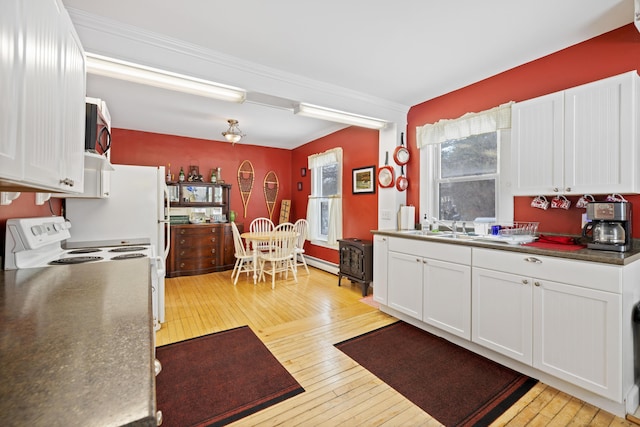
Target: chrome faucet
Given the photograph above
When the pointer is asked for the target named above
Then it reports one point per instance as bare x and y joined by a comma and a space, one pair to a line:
451, 227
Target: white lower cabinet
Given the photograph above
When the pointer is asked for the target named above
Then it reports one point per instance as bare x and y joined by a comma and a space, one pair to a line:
502, 313
405, 275
577, 336
569, 327
432, 283
380, 268
447, 297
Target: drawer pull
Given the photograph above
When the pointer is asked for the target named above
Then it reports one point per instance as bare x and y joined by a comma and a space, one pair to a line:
525, 282
536, 283
182, 231
213, 240
213, 251
182, 242
533, 259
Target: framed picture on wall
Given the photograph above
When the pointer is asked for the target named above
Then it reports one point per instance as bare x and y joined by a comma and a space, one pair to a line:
364, 180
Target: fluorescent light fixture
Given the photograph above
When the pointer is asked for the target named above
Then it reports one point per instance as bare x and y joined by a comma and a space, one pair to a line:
331, 115
123, 70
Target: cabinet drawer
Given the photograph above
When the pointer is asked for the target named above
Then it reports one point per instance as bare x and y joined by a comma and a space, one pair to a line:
200, 230
196, 264
188, 241
587, 274
441, 251
196, 252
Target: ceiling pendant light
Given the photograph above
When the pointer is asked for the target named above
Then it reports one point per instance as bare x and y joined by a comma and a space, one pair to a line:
233, 134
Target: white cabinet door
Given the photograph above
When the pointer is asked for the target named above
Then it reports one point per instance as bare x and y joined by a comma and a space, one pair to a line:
43, 94
380, 268
447, 297
11, 83
502, 313
577, 336
600, 151
537, 145
42, 143
74, 112
405, 284
581, 140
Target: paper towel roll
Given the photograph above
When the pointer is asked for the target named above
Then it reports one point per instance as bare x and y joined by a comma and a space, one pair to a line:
406, 220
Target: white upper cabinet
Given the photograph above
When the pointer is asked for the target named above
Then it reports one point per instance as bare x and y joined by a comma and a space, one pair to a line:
42, 146
581, 140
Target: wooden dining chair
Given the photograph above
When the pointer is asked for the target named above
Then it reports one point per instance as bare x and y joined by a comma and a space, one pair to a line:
280, 254
244, 260
301, 227
261, 225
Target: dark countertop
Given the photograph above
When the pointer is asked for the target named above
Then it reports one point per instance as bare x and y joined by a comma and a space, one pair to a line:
592, 255
77, 345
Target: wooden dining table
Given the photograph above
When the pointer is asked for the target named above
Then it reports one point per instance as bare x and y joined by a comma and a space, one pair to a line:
253, 238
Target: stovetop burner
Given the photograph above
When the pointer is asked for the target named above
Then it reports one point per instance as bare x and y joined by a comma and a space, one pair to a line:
84, 251
128, 249
128, 256
75, 260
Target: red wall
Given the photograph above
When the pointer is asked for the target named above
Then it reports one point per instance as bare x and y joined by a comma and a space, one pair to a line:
152, 149
360, 211
612, 53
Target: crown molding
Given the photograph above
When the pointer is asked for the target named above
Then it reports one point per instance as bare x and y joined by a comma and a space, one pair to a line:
86, 22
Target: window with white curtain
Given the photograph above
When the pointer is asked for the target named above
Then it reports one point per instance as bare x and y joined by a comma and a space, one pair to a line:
465, 167
324, 211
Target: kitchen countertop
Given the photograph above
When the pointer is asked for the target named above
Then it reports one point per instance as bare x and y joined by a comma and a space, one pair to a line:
77, 345
592, 255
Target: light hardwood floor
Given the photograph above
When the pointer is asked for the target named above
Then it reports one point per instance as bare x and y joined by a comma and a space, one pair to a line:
300, 323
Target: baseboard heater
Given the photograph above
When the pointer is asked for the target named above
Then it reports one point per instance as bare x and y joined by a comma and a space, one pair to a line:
327, 266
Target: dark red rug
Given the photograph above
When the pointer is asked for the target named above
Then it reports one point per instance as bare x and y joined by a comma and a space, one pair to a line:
453, 385
219, 378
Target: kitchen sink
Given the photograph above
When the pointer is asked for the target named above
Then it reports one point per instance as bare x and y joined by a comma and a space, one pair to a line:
458, 236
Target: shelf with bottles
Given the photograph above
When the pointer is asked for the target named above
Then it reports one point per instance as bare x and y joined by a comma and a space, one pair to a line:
193, 194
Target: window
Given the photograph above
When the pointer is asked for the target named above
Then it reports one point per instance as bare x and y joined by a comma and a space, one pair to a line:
324, 211
466, 177
464, 167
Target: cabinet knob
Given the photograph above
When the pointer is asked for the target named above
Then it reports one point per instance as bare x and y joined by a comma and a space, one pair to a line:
213, 262
536, 283
182, 265
525, 282
182, 231
213, 251
67, 181
567, 190
533, 259
182, 241
182, 253
555, 189
213, 230
213, 240
418, 260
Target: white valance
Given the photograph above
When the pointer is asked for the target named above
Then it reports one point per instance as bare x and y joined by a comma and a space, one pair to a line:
328, 157
467, 125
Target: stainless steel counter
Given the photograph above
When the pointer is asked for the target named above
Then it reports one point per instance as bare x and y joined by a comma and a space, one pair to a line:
77, 345
606, 257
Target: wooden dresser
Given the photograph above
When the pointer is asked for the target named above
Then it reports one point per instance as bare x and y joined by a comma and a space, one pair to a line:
200, 249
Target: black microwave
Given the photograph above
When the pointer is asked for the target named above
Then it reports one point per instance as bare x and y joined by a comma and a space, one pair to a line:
97, 137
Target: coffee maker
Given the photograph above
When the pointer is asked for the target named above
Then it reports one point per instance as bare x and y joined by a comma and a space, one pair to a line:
610, 226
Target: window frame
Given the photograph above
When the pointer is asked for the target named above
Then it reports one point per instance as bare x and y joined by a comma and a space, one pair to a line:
429, 182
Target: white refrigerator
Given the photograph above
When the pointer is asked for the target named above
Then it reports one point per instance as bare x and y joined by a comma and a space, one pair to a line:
137, 208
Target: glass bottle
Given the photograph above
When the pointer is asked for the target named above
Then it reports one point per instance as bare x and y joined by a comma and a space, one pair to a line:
181, 175
168, 173
214, 177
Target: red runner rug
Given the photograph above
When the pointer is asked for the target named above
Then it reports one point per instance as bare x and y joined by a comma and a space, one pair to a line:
453, 385
219, 378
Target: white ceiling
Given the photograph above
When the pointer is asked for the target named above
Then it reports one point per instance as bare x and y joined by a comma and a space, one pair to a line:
371, 57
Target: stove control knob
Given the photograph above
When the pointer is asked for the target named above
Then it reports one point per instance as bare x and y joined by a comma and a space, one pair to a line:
57, 226
37, 230
66, 225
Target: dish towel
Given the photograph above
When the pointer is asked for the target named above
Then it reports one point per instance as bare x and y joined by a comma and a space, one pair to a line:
556, 243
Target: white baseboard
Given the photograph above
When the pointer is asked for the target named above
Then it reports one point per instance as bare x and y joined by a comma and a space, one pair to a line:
327, 266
